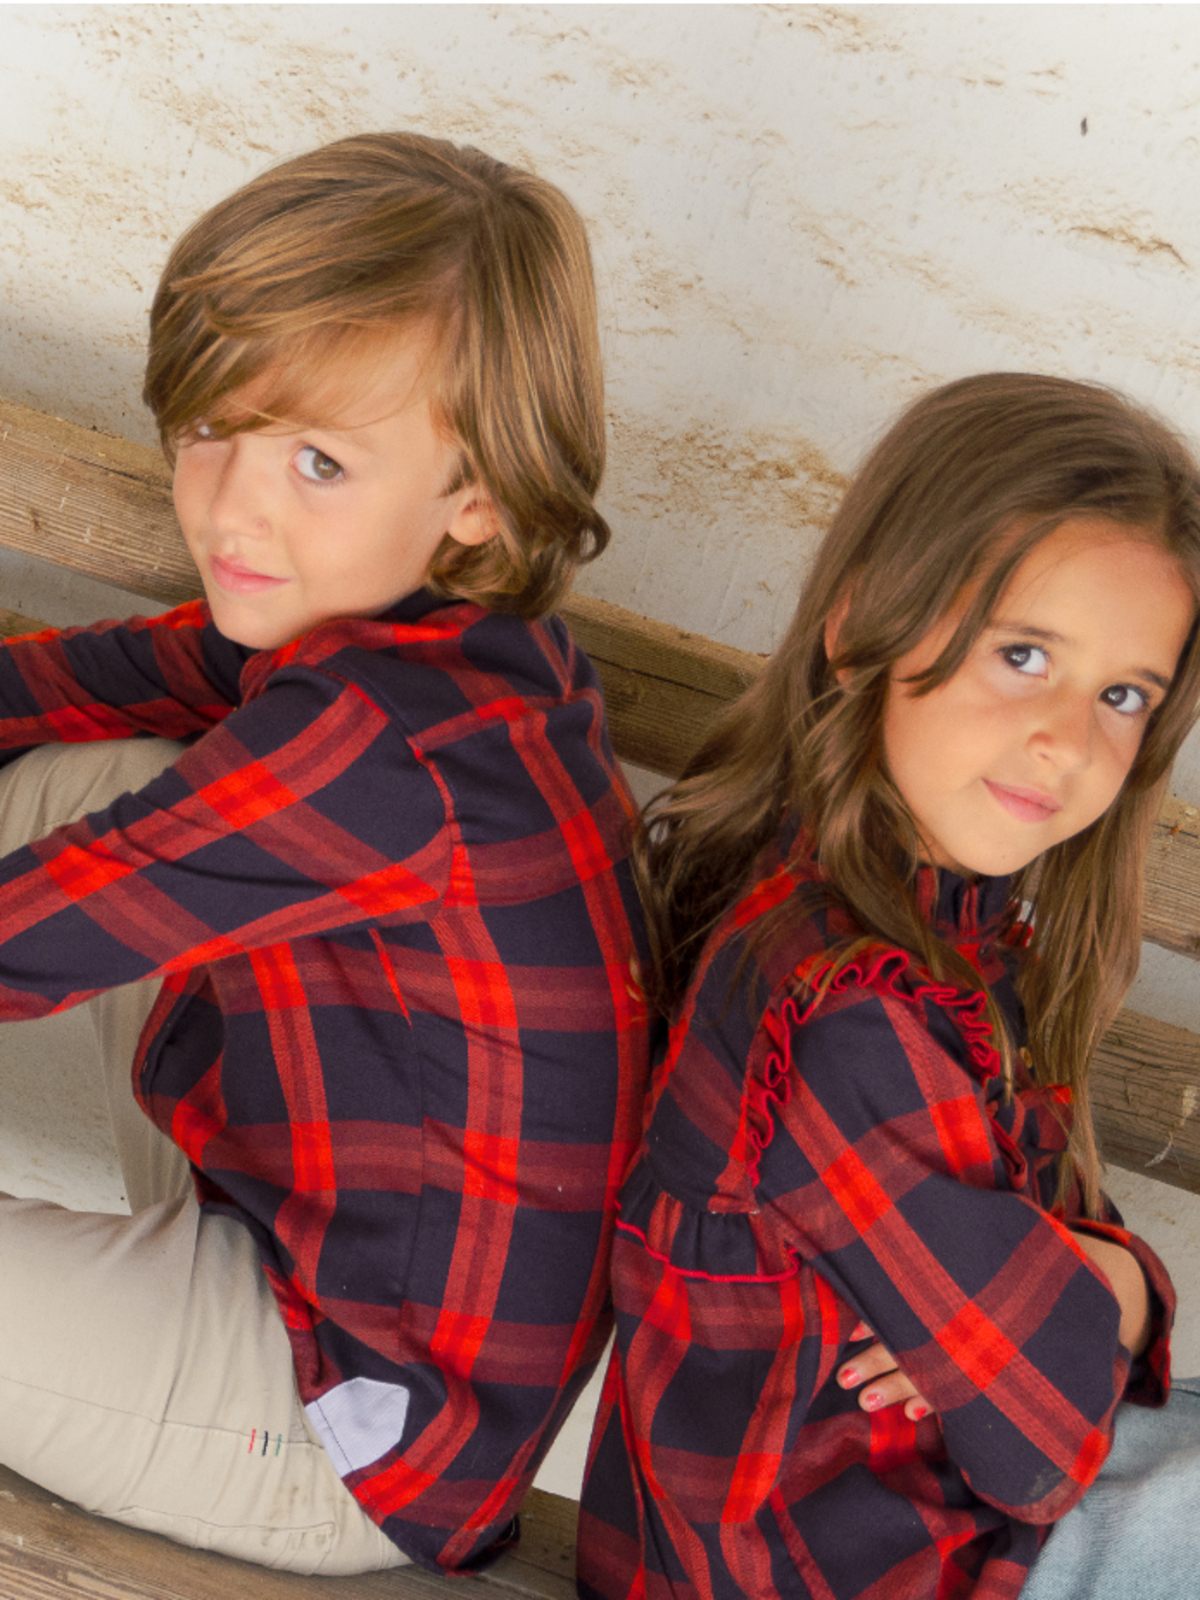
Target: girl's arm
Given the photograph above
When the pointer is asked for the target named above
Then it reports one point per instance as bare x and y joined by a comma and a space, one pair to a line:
886, 1164
884, 1384
1127, 1282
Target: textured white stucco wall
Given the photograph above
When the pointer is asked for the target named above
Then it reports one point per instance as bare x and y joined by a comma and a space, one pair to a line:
802, 216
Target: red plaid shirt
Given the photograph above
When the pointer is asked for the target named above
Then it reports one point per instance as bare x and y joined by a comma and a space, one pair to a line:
808, 1164
400, 1035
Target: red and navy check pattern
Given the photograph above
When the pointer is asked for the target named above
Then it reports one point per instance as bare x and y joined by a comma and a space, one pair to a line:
806, 1164
401, 1036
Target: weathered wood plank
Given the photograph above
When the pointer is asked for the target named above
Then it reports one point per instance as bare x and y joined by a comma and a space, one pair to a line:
13, 623
1172, 914
1145, 1094
543, 1564
91, 501
51, 1550
102, 506
661, 685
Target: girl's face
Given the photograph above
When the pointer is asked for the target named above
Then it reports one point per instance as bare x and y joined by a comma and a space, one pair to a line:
1031, 739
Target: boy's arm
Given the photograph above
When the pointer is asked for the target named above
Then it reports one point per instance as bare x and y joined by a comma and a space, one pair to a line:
173, 676
303, 811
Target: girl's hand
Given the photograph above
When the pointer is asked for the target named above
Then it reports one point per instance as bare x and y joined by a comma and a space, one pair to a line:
886, 1384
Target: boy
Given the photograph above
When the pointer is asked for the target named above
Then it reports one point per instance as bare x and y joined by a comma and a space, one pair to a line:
400, 1040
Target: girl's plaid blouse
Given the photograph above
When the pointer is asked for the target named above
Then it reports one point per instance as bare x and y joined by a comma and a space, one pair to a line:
807, 1165
401, 1036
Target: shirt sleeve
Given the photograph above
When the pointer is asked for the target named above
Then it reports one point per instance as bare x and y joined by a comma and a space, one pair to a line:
173, 676
1149, 1381
884, 1173
301, 812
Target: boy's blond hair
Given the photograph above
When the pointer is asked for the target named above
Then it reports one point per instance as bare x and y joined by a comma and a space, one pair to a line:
300, 271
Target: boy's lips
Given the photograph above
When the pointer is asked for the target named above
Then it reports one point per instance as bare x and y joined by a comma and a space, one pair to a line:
235, 578
1027, 805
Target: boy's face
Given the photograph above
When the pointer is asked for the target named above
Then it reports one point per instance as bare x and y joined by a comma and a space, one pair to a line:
294, 526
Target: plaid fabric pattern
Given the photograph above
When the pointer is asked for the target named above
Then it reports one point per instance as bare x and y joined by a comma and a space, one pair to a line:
815, 1155
401, 1035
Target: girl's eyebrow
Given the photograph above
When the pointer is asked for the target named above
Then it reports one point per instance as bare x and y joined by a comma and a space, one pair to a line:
1048, 636
1043, 635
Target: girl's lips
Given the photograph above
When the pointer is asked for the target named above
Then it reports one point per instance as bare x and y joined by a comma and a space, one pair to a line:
1027, 805
236, 579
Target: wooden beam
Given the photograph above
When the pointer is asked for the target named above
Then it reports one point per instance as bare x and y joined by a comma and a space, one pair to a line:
102, 506
92, 502
1172, 913
662, 686
1145, 1094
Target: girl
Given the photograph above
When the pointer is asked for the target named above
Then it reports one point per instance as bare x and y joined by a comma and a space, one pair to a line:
874, 1316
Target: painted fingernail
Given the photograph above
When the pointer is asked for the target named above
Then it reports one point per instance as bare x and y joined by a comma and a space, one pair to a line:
872, 1400
848, 1377
860, 1332
918, 1412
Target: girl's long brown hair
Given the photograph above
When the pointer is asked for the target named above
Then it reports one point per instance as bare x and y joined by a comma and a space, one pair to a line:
953, 498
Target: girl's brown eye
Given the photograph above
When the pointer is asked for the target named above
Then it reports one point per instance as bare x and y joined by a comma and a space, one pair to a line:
1027, 658
1126, 698
316, 466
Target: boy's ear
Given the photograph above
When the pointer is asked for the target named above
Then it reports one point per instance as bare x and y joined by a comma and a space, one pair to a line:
833, 630
474, 518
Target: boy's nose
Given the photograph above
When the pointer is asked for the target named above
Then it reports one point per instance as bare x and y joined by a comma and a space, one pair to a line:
239, 504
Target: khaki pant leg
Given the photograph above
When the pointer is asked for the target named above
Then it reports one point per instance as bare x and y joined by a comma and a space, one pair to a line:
144, 1368
52, 785
145, 1374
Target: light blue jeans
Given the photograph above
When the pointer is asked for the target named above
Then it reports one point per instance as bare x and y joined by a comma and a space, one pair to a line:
1135, 1535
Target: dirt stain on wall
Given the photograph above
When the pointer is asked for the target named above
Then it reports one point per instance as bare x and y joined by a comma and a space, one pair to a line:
770, 480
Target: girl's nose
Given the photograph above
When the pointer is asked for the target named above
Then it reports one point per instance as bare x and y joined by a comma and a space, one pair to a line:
1065, 730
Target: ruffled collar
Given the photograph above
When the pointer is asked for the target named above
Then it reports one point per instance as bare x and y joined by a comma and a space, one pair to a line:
963, 910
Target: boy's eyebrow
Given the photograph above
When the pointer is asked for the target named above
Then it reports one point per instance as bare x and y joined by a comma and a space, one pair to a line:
1048, 636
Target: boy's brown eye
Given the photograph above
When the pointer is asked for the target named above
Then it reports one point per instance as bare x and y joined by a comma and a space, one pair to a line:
316, 466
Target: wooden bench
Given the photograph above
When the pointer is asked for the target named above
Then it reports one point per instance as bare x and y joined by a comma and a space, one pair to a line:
101, 506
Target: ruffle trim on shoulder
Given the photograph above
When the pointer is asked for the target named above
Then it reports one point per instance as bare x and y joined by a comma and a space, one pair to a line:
1038, 1135
885, 970
718, 1247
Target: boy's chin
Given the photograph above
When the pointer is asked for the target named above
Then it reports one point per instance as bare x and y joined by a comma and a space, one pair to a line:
251, 634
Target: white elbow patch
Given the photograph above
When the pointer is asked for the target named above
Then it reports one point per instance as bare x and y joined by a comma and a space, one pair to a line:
359, 1421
